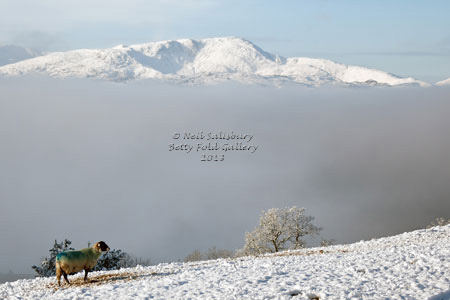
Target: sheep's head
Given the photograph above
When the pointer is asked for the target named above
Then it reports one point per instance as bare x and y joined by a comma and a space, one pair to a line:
101, 246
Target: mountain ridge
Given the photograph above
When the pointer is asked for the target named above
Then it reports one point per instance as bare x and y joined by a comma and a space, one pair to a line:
445, 82
204, 61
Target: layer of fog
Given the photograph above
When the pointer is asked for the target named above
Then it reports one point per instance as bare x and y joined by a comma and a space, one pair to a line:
89, 161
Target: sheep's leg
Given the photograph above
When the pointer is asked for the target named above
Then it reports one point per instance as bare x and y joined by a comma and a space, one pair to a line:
58, 275
86, 271
65, 277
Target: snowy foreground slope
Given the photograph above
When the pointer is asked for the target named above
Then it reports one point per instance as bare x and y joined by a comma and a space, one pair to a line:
413, 265
203, 61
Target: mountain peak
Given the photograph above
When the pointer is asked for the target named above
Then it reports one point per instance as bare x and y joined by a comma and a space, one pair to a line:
203, 61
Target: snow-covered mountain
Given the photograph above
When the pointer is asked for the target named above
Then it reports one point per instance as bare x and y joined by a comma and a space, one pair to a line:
414, 265
200, 62
10, 54
443, 82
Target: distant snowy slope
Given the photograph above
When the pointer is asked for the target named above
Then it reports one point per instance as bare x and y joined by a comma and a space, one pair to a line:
414, 265
200, 62
443, 82
10, 54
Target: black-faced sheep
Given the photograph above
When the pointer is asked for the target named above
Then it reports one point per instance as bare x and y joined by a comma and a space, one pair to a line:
74, 261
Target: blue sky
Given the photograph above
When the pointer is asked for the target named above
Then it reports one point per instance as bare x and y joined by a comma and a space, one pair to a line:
405, 37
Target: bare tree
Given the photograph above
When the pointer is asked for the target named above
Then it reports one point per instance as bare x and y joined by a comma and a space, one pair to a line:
279, 229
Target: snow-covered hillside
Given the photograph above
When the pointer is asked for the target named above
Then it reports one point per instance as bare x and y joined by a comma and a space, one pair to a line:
444, 82
203, 61
10, 54
413, 265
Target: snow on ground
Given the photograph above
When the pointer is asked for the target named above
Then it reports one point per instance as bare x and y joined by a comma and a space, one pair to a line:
205, 61
413, 265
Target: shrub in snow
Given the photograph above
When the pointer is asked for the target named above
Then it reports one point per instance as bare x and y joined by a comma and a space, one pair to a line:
47, 267
196, 255
212, 253
117, 259
439, 222
326, 243
111, 260
279, 229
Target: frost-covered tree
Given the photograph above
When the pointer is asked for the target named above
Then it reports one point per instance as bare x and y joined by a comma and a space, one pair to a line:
279, 229
300, 225
47, 267
274, 229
